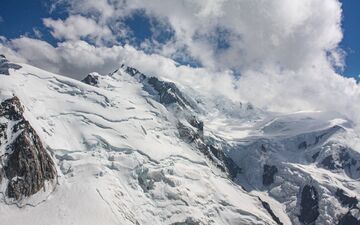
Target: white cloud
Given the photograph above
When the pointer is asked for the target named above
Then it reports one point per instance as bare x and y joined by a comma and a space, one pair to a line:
290, 33
37, 33
78, 58
284, 50
76, 27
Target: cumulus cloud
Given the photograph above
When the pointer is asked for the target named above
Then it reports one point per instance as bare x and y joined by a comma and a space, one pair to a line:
250, 33
223, 34
76, 27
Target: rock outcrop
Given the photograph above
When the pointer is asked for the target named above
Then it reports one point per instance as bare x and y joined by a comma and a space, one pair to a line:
167, 93
26, 163
268, 174
215, 154
309, 210
346, 200
270, 211
349, 219
91, 79
5, 65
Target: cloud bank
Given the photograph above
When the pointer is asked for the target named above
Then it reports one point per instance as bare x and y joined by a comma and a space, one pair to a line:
278, 54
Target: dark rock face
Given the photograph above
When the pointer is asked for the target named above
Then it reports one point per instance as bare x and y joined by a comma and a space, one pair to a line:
269, 210
216, 155
228, 165
5, 65
131, 71
268, 174
340, 160
167, 92
91, 79
3, 135
315, 156
345, 200
329, 163
188, 221
349, 219
309, 210
187, 134
198, 124
303, 145
11, 109
27, 164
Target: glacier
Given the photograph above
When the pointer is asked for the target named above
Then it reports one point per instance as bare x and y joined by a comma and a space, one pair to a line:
129, 148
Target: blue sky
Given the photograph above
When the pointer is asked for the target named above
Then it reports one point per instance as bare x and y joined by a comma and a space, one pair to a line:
19, 17
351, 41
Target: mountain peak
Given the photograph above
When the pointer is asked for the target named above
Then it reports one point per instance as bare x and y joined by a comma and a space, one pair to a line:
5, 65
143, 150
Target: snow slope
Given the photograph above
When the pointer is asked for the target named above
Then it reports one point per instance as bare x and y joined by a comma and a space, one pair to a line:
119, 158
126, 154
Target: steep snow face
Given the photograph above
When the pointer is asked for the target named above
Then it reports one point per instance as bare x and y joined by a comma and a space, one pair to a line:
119, 158
302, 160
135, 149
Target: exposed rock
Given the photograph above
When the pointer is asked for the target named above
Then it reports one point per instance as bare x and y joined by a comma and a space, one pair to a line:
268, 174
303, 145
269, 210
345, 200
349, 219
188, 221
167, 92
309, 206
329, 163
130, 70
315, 156
11, 109
91, 79
216, 155
5, 65
27, 165
340, 160
228, 164
187, 134
134, 72
198, 124
3, 135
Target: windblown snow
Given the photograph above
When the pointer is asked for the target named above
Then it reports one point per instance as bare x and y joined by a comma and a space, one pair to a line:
127, 153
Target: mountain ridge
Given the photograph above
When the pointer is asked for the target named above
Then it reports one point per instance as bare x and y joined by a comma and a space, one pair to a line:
135, 145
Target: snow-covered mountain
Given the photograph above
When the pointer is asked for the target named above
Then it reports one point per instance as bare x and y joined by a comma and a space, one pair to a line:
128, 148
